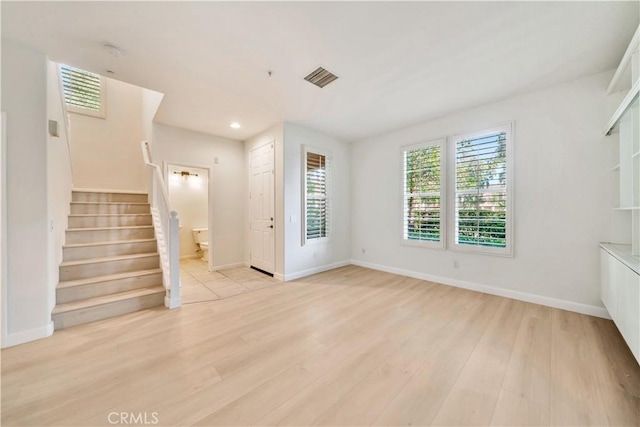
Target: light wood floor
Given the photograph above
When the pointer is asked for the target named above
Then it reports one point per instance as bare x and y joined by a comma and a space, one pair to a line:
348, 347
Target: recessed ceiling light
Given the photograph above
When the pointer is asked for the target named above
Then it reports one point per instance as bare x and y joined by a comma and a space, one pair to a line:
235, 125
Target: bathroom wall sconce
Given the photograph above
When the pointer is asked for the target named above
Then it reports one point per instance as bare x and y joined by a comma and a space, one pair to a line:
185, 174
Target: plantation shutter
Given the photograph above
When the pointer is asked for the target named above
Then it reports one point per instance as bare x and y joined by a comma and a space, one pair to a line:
423, 193
82, 89
481, 190
317, 221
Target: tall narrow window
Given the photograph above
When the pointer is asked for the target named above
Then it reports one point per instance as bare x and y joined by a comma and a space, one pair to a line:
84, 92
316, 203
482, 191
423, 193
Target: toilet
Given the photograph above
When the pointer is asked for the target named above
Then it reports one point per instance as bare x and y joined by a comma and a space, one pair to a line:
201, 238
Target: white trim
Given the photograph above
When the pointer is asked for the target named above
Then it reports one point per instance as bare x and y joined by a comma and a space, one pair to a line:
442, 142
306, 149
26, 336
575, 307
623, 107
209, 168
100, 114
626, 58
106, 190
4, 282
314, 270
278, 276
507, 251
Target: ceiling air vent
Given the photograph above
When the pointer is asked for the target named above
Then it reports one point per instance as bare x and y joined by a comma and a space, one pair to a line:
320, 77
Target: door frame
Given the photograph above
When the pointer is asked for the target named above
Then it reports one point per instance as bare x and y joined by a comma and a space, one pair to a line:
210, 203
271, 142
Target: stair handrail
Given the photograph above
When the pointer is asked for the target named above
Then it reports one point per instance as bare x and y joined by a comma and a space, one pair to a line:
165, 222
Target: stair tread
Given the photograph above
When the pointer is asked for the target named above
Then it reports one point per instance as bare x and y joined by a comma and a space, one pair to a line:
108, 203
127, 227
107, 242
137, 193
98, 279
107, 259
106, 214
106, 299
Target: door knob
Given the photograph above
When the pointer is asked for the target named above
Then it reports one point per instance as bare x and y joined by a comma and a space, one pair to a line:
271, 226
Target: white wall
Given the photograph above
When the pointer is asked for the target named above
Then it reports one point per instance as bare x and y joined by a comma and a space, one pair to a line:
106, 152
59, 177
562, 196
274, 134
303, 259
190, 198
226, 190
24, 99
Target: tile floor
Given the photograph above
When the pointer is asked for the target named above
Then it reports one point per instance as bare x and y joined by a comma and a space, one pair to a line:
200, 285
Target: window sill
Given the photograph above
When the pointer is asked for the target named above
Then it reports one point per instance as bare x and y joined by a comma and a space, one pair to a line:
97, 114
422, 244
483, 250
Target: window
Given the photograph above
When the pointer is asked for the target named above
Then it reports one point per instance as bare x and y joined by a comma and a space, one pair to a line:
316, 200
84, 92
457, 192
423, 194
482, 191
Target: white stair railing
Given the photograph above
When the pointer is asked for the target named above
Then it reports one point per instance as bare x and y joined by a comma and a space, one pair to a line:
165, 223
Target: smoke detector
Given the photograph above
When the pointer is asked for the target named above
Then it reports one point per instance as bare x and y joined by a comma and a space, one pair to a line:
113, 50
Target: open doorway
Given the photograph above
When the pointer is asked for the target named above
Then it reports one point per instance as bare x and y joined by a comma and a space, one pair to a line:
189, 196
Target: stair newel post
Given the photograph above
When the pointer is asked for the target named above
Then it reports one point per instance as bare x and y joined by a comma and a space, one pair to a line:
173, 292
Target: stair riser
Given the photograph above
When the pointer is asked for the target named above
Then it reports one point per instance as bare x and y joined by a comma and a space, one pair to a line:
88, 236
122, 208
108, 287
81, 196
85, 271
115, 249
109, 221
78, 317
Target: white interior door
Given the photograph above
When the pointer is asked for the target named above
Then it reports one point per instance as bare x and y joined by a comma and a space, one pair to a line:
262, 200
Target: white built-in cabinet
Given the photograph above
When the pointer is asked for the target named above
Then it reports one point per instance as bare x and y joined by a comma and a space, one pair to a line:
620, 259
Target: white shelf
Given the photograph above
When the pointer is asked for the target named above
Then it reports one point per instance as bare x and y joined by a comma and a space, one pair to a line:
616, 167
624, 63
632, 208
634, 156
624, 105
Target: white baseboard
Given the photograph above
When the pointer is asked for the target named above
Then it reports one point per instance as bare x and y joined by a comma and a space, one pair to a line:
106, 190
25, 336
590, 310
314, 270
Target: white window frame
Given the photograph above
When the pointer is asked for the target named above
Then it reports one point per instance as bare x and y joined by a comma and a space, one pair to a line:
327, 155
441, 244
507, 251
102, 113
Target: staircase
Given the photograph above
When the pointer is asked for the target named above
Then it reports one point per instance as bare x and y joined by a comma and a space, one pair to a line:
110, 260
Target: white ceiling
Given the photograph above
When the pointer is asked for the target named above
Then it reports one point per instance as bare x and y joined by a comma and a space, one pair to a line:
398, 62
